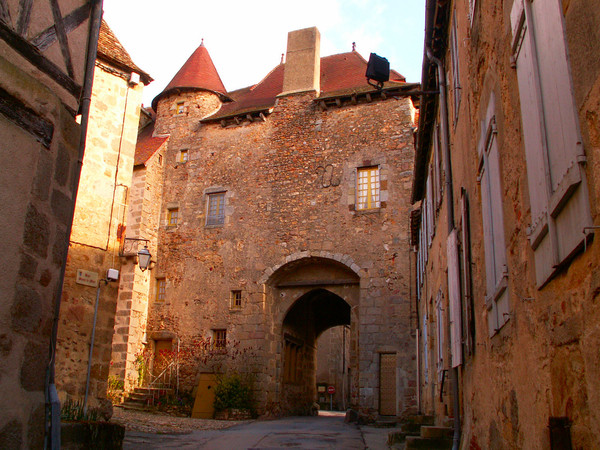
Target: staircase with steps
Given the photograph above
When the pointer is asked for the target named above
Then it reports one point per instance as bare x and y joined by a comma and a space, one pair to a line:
144, 399
419, 432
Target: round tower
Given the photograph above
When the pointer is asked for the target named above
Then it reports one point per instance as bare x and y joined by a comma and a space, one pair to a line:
195, 92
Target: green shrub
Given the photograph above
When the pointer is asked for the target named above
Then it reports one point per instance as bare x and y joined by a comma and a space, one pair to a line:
72, 411
233, 391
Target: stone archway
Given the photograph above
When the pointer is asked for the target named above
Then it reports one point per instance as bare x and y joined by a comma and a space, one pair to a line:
308, 296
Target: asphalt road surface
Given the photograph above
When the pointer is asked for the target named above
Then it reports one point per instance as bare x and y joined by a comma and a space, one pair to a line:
322, 432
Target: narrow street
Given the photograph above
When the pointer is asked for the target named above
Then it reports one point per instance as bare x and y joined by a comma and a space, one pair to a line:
325, 431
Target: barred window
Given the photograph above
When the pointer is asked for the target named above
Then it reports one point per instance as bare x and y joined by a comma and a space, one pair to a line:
220, 339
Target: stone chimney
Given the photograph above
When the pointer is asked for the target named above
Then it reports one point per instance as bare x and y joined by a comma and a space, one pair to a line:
303, 62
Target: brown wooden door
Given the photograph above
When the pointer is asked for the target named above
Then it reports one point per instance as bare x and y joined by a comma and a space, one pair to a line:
387, 384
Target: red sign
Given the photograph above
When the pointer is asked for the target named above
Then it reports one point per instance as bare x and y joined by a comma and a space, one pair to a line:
331, 389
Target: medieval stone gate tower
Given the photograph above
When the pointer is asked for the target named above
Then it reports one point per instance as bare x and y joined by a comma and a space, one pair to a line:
284, 213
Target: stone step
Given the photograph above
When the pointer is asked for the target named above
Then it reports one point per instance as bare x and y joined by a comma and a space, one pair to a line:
398, 437
134, 407
382, 422
420, 443
419, 419
434, 432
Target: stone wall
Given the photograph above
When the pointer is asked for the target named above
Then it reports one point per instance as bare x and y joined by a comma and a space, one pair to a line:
97, 237
543, 362
290, 190
36, 199
137, 288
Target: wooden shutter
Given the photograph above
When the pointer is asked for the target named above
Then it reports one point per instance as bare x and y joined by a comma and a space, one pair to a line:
454, 299
455, 67
467, 297
440, 333
553, 147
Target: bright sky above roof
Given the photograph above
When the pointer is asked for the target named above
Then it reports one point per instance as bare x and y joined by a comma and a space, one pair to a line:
246, 39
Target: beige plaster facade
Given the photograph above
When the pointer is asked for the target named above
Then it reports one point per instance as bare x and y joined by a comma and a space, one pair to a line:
97, 240
38, 173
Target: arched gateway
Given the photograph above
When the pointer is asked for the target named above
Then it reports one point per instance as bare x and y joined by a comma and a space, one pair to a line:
308, 296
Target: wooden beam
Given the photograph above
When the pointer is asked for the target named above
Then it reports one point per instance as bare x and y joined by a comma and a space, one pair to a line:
301, 283
223, 123
338, 102
32, 54
369, 99
5, 13
249, 117
354, 100
26, 118
48, 37
237, 120
262, 116
61, 34
24, 16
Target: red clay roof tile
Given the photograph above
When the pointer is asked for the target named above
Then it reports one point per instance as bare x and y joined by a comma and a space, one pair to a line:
147, 145
341, 72
111, 50
198, 72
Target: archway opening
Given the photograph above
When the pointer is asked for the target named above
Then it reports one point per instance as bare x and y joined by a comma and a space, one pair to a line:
313, 313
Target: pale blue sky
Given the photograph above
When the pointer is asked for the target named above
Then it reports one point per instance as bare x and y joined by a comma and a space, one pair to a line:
246, 39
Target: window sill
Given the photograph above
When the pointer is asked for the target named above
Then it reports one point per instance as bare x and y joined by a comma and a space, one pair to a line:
217, 225
361, 212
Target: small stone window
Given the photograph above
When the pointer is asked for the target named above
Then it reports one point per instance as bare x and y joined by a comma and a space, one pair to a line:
367, 188
180, 108
236, 299
172, 217
220, 339
161, 289
183, 156
215, 209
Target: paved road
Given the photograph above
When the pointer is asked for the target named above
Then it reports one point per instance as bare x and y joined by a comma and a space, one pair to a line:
323, 432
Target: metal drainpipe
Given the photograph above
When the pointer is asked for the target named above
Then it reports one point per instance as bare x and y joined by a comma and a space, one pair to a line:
450, 206
52, 422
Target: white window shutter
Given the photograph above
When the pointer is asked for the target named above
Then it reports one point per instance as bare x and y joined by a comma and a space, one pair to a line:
557, 185
454, 299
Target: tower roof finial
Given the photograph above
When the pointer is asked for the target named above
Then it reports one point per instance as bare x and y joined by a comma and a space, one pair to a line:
354, 46
282, 56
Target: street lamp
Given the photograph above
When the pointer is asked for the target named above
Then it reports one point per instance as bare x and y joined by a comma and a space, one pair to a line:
144, 258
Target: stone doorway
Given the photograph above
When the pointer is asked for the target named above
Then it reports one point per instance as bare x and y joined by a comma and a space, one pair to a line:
312, 295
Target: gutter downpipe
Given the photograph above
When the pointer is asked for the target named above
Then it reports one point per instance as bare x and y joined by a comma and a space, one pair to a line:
450, 205
52, 417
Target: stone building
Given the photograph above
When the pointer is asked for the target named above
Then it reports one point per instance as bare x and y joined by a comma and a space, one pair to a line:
283, 214
97, 237
45, 54
506, 180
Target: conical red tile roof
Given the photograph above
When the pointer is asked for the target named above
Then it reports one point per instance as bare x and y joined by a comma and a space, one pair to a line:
198, 73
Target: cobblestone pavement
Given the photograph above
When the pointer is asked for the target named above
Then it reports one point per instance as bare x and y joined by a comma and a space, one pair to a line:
328, 431
157, 423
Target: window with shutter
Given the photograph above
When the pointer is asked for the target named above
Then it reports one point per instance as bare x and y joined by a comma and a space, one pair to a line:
553, 147
439, 308
455, 68
454, 299
493, 224
468, 319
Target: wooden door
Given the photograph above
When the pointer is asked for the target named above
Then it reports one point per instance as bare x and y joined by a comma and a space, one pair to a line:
205, 397
387, 384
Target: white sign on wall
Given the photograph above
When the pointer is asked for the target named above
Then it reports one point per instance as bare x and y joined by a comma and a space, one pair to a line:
87, 278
